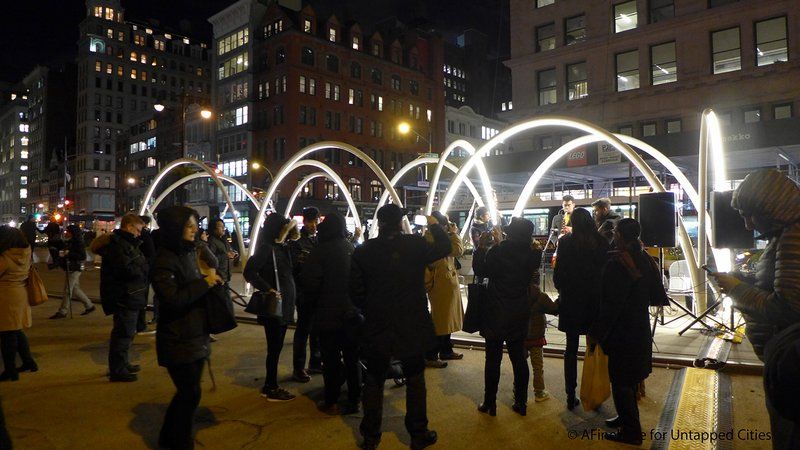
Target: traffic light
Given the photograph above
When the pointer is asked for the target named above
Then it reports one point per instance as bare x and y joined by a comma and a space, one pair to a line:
37, 216
57, 217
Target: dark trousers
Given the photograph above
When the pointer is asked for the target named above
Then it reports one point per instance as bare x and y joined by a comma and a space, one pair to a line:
519, 363
125, 321
571, 363
275, 332
5, 439
628, 411
11, 343
785, 433
338, 346
304, 334
416, 396
176, 432
444, 346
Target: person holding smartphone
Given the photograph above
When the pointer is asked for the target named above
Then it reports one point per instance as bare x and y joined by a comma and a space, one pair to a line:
769, 203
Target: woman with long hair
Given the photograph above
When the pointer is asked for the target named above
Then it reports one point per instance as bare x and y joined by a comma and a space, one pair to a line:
15, 312
72, 257
631, 282
182, 339
580, 260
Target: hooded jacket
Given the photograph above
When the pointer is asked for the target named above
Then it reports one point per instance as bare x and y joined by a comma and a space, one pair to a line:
76, 251
773, 302
15, 313
123, 275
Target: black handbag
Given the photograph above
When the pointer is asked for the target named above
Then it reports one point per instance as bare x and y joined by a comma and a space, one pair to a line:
477, 296
219, 310
267, 304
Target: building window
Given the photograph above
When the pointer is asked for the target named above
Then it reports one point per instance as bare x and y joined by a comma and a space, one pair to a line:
715, 3
375, 189
577, 86
376, 49
307, 56
413, 87
332, 34
232, 66
396, 83
661, 10
332, 63
575, 29
771, 41
356, 42
280, 55
331, 191
664, 68
98, 66
726, 50
673, 126
355, 189
377, 77
752, 115
627, 130
307, 26
540, 3
782, 111
625, 17
649, 129
302, 84
546, 37
547, 87
628, 71
355, 70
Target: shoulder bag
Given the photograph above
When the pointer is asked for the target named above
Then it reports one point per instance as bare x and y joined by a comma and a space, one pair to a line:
267, 304
37, 293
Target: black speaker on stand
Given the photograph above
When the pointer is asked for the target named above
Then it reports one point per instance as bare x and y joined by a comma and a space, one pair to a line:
658, 219
727, 226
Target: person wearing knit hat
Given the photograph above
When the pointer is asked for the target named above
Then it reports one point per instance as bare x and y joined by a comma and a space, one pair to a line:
769, 203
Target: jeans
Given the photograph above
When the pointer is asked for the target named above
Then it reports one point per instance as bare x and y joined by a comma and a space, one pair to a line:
338, 346
416, 396
305, 335
74, 280
176, 432
494, 355
11, 343
537, 367
628, 411
444, 346
571, 363
275, 332
122, 334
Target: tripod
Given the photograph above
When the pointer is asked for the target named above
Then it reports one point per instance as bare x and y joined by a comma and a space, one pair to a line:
706, 315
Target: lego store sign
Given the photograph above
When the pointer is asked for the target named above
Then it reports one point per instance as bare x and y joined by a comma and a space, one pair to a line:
577, 158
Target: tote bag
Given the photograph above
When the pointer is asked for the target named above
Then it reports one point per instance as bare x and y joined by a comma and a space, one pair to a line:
595, 383
37, 293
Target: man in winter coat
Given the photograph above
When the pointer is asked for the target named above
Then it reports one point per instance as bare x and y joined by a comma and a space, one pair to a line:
444, 294
769, 202
605, 217
123, 291
303, 334
387, 281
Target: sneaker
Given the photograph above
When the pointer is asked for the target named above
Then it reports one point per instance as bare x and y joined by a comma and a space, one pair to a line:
452, 356
277, 395
541, 396
435, 363
301, 376
59, 315
28, 367
122, 377
88, 311
427, 439
212, 338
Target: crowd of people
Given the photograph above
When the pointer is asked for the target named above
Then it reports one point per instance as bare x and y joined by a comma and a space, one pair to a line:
387, 307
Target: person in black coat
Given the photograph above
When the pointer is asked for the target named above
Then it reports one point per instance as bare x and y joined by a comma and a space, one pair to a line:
325, 278
220, 247
511, 266
304, 333
148, 248
30, 231
579, 263
387, 282
631, 282
261, 272
182, 341
123, 291
71, 258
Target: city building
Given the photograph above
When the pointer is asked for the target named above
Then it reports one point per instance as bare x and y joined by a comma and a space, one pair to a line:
124, 69
51, 116
14, 156
648, 69
303, 75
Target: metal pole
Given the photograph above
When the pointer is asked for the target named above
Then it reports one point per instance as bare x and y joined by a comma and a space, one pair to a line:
702, 190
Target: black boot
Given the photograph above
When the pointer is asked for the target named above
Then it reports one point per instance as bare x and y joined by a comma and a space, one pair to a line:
572, 401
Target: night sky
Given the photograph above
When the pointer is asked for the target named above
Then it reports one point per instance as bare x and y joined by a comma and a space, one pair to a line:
46, 31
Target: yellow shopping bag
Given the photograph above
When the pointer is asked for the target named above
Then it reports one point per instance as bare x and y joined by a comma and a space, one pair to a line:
595, 384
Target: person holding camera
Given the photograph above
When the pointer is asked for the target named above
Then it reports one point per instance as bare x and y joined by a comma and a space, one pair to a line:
71, 258
324, 279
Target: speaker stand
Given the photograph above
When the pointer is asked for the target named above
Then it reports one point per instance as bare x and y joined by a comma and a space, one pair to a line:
706, 315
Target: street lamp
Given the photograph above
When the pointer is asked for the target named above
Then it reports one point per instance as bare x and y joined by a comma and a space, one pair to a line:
205, 113
405, 128
131, 180
158, 107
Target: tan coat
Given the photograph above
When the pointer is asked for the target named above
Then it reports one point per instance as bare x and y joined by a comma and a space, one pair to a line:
441, 282
15, 313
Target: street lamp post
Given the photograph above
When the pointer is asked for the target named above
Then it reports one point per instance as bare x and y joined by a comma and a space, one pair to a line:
405, 128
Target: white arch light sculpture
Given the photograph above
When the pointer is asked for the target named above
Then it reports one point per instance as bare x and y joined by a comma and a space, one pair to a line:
297, 190
487, 184
198, 175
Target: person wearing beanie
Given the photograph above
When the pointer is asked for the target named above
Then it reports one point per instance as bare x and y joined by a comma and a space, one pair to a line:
303, 333
480, 225
72, 258
769, 203
387, 282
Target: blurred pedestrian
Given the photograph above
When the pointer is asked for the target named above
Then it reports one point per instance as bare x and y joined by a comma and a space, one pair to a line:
304, 334
604, 217
72, 259
15, 311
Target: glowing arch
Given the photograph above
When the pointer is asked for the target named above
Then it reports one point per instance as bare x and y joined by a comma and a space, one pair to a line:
487, 184
195, 176
281, 174
299, 189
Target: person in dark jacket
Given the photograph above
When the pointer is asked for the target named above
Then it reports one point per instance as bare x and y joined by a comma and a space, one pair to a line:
769, 203
325, 281
579, 263
30, 231
387, 282
631, 282
304, 334
220, 248
148, 248
123, 291
511, 265
71, 259
604, 217
182, 341
480, 224
261, 271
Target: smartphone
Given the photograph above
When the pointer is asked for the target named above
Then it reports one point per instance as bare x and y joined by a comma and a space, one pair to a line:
420, 220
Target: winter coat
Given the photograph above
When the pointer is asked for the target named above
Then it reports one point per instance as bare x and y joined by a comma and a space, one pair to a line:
541, 304
607, 225
773, 302
15, 312
300, 249
182, 332
148, 246
387, 282
325, 283
444, 292
73, 261
623, 325
577, 278
123, 275
477, 229
511, 267
220, 247
260, 272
